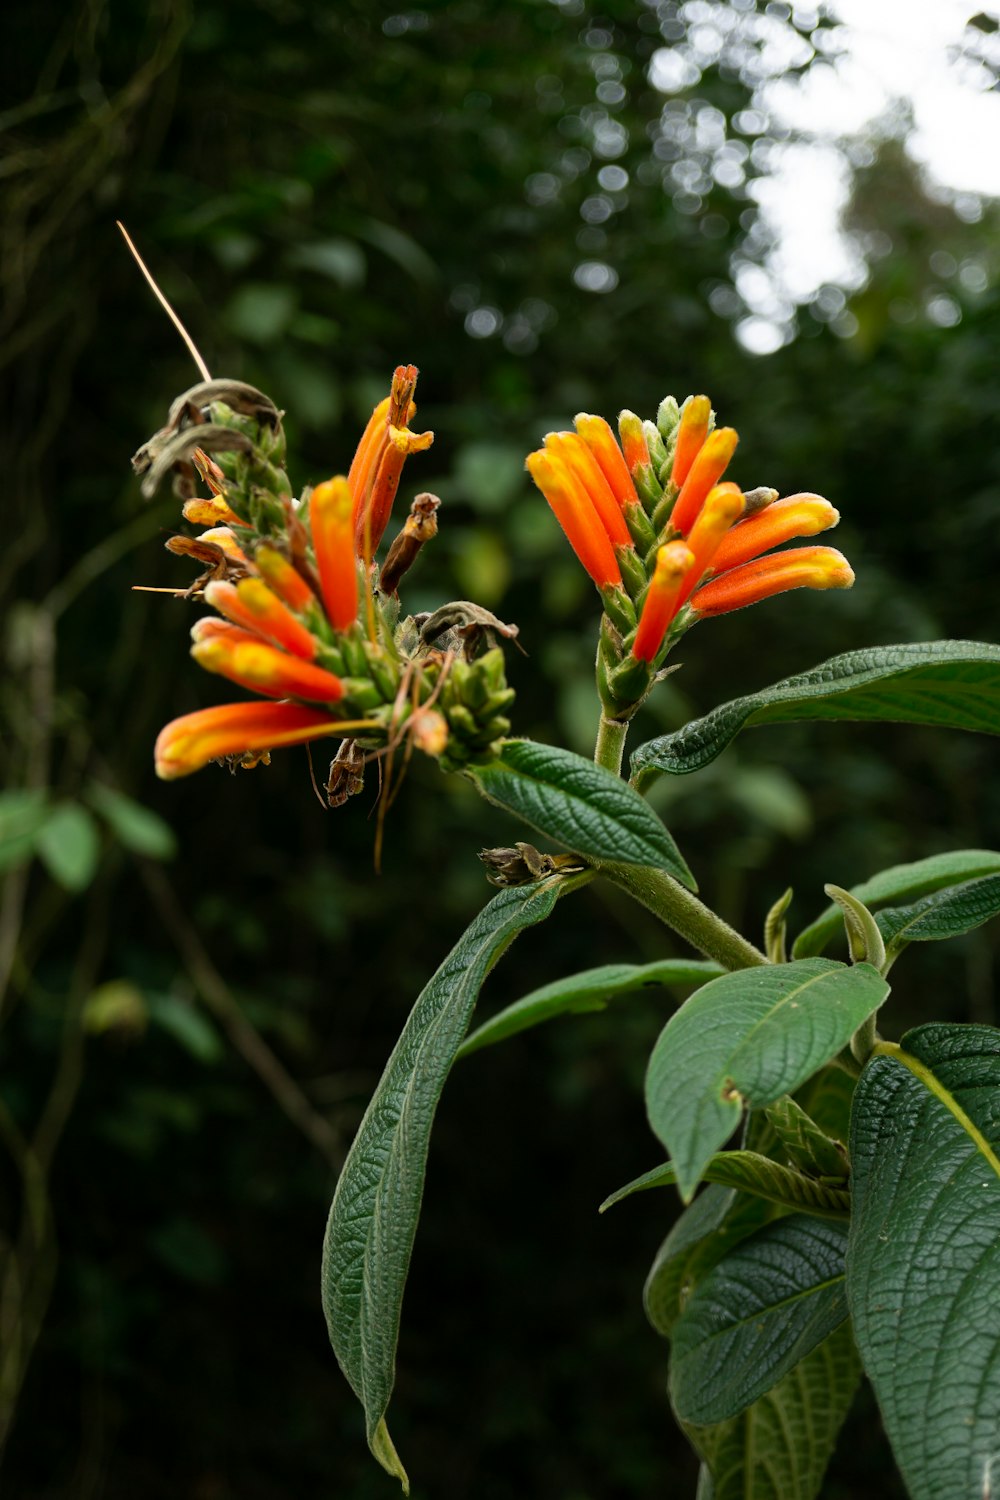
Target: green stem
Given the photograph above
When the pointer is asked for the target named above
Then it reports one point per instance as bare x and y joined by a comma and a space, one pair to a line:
688, 916
610, 747
864, 1039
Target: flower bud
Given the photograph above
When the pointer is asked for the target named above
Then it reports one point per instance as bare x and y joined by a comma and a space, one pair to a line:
251, 604
801, 568
706, 470
331, 516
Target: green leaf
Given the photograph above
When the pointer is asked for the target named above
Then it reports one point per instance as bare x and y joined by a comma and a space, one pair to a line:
580, 805
746, 1039
68, 845
942, 914
139, 829
899, 883
373, 1219
717, 1219
803, 1142
749, 1172
778, 1449
955, 684
188, 1026
761, 1309
22, 817
924, 1254
590, 990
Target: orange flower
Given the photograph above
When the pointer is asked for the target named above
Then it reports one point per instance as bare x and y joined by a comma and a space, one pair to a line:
599, 438
798, 515
801, 568
188, 743
569, 449
251, 604
723, 506
250, 661
331, 515
673, 565
634, 444
708, 467
691, 434
284, 578
374, 474
575, 513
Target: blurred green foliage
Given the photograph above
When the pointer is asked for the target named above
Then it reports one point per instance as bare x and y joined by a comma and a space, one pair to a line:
201, 981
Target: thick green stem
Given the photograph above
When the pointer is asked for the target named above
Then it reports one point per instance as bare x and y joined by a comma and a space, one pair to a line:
610, 747
688, 916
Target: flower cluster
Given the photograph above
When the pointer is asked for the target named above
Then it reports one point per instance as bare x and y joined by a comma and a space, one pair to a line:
305, 617
666, 539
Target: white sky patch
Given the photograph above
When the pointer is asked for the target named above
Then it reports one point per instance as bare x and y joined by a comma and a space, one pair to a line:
892, 50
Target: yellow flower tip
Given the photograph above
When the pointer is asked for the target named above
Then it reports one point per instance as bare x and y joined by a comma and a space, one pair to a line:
691, 434
634, 445
284, 578
221, 536
211, 512
601, 441
245, 729
410, 442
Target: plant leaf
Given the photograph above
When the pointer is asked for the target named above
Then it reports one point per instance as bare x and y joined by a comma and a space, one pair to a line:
896, 884
138, 828
580, 805
761, 1309
373, 1218
68, 845
590, 990
23, 814
955, 684
749, 1172
778, 1449
746, 1039
942, 914
924, 1252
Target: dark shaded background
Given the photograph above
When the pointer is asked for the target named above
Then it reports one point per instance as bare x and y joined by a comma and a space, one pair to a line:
188, 1044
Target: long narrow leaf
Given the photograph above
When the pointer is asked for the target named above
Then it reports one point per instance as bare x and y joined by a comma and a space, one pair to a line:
373, 1219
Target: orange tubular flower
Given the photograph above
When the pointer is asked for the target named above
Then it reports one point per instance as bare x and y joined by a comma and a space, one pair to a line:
634, 444
286, 581
246, 659
691, 434
251, 604
576, 515
801, 568
798, 515
374, 468
374, 517
722, 508
673, 565
188, 743
570, 449
331, 515
706, 471
599, 438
